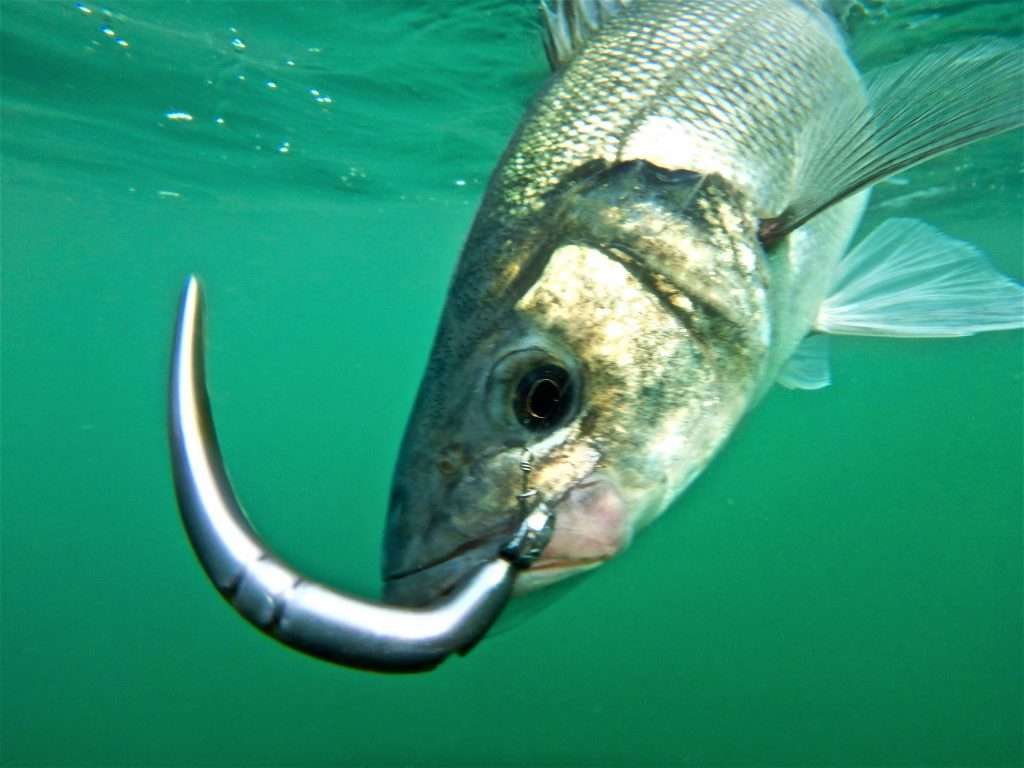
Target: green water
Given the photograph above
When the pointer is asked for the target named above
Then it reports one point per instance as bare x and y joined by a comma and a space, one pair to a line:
843, 586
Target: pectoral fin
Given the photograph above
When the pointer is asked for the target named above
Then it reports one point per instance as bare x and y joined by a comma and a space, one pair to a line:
808, 367
916, 110
908, 279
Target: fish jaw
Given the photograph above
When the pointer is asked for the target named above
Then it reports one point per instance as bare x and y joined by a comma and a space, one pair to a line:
421, 587
592, 524
445, 519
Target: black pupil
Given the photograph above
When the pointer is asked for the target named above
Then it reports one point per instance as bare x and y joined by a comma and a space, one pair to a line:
543, 396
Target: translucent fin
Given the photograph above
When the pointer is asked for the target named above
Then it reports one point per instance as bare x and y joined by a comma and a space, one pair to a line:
524, 608
908, 279
917, 109
808, 367
568, 24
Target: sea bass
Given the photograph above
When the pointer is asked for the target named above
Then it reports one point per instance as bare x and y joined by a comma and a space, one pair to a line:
664, 239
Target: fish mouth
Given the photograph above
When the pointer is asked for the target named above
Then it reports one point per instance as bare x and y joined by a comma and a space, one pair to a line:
425, 582
591, 526
420, 586
439, 578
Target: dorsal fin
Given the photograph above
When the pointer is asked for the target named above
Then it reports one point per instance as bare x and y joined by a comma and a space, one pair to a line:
568, 24
917, 109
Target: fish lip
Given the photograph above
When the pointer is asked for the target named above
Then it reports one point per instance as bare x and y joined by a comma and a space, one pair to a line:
423, 585
502, 531
434, 583
444, 574
562, 563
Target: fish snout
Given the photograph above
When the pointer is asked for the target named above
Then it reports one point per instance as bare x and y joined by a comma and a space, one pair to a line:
451, 509
423, 562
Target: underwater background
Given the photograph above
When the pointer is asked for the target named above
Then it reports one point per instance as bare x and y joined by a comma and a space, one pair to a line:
843, 586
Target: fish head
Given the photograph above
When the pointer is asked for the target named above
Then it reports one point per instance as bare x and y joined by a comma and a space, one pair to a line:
588, 379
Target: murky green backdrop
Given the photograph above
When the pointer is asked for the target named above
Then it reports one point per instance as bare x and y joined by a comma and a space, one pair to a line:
843, 586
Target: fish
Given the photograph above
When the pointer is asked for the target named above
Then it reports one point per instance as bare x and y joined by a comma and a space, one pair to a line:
666, 237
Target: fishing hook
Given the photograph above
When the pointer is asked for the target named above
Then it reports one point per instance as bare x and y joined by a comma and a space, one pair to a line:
299, 612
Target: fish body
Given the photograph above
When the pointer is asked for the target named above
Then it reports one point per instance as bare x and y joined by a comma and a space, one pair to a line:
717, 88
624, 295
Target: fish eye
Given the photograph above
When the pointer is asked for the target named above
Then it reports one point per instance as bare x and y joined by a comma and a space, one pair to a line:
543, 396
532, 389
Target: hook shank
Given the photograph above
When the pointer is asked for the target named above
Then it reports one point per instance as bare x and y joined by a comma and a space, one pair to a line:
297, 611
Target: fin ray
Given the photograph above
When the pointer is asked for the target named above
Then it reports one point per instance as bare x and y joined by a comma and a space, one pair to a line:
908, 279
568, 24
916, 110
808, 366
